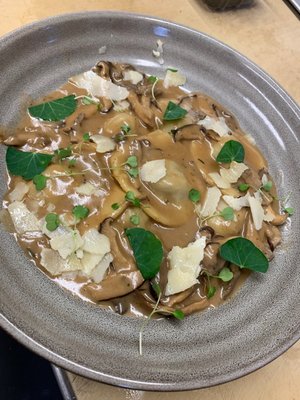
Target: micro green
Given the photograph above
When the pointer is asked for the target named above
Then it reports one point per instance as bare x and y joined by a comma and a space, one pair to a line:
225, 274
289, 210
267, 186
86, 100
227, 213
130, 197
172, 69
63, 153
86, 137
125, 129
174, 112
132, 161
152, 79
39, 181
52, 221
231, 151
134, 219
242, 252
211, 290
72, 162
80, 212
194, 195
26, 164
55, 110
243, 187
115, 206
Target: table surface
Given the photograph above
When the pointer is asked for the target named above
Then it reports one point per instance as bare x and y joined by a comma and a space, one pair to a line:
268, 33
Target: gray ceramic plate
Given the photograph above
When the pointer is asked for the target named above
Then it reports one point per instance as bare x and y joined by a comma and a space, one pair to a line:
218, 345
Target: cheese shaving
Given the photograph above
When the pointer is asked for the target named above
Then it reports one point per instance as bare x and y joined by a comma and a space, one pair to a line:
153, 171
97, 86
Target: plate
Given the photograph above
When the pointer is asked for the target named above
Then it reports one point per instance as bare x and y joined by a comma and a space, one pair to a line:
207, 348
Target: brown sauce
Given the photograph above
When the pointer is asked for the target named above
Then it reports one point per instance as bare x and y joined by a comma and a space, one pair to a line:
167, 210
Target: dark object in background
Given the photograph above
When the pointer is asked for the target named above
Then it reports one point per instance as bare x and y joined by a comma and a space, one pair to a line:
23, 374
220, 5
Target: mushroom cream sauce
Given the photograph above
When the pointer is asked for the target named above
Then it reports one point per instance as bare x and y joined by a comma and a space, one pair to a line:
99, 178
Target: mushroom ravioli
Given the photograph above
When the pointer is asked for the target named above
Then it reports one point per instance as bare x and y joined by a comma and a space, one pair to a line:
139, 196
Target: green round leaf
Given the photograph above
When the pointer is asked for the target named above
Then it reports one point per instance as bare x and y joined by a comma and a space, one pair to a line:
173, 112
231, 151
227, 213
55, 110
147, 250
80, 212
52, 221
211, 292
194, 195
242, 252
26, 164
225, 274
40, 181
178, 314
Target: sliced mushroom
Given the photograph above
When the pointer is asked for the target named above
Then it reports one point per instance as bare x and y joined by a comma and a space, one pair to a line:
273, 236
229, 286
141, 107
123, 277
188, 132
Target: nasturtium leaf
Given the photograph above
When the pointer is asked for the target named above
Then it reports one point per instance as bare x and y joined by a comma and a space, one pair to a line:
178, 314
26, 164
243, 187
242, 252
39, 181
173, 112
52, 221
227, 213
132, 161
211, 291
231, 151
55, 110
115, 206
134, 219
289, 210
225, 274
80, 212
147, 250
194, 195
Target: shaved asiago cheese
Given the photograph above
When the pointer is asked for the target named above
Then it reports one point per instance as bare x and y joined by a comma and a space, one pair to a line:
257, 211
86, 189
269, 216
104, 143
19, 192
67, 243
153, 171
22, 218
133, 76
55, 264
95, 242
213, 196
98, 273
97, 86
237, 203
234, 172
219, 181
184, 266
174, 78
217, 125
89, 262
120, 106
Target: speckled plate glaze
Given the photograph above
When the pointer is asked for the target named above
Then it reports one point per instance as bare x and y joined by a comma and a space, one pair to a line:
208, 348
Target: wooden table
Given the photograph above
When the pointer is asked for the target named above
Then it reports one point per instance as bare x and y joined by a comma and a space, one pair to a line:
269, 34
